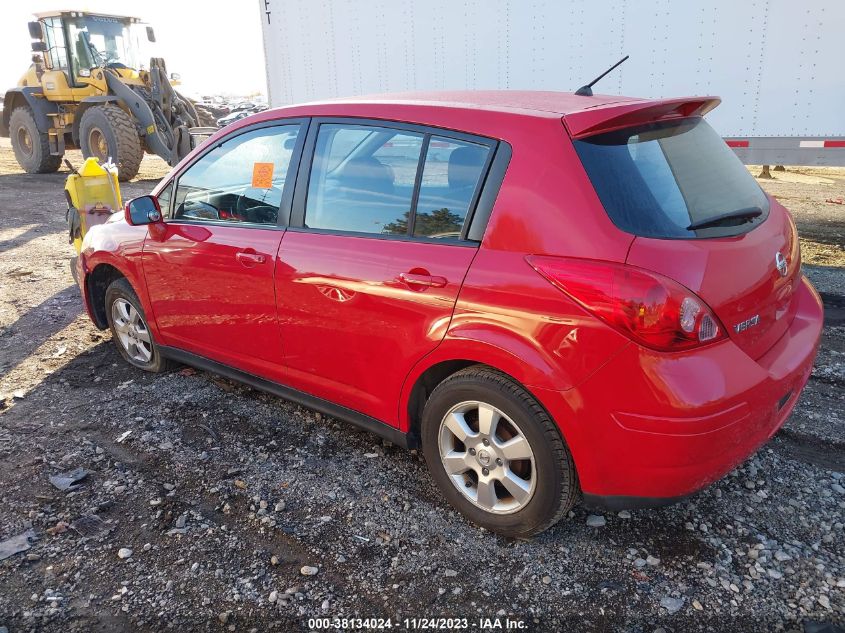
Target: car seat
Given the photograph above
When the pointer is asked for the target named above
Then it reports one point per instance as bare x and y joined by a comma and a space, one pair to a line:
363, 177
463, 170
465, 165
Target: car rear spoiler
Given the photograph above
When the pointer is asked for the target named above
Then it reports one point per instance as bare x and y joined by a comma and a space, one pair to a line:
622, 114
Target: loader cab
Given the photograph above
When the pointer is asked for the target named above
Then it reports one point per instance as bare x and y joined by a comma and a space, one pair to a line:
78, 42
88, 87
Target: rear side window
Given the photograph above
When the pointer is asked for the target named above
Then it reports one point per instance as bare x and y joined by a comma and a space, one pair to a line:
451, 176
362, 179
672, 180
385, 181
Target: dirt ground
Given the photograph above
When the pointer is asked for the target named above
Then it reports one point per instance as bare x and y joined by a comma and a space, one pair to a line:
205, 503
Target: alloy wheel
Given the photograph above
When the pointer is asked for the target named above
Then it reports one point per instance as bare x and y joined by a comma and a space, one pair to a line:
487, 457
132, 331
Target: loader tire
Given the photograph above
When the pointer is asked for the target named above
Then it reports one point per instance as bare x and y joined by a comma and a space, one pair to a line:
200, 114
109, 131
32, 148
205, 117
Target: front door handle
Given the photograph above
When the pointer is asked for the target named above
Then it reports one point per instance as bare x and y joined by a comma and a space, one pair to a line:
420, 280
250, 258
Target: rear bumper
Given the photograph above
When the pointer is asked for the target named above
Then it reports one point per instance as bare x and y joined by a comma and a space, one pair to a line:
648, 428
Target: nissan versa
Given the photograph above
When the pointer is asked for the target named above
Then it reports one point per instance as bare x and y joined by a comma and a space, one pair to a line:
551, 294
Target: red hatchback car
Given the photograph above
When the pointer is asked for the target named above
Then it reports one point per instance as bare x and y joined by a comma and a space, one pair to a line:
549, 293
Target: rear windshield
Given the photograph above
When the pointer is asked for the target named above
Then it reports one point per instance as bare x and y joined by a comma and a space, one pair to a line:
661, 179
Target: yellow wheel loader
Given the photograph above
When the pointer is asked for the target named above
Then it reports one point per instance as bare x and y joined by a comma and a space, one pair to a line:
88, 88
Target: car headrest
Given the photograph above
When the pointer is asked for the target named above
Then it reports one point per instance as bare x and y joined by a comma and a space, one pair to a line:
465, 165
369, 174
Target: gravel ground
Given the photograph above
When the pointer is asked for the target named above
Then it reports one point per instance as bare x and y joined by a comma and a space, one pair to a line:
209, 506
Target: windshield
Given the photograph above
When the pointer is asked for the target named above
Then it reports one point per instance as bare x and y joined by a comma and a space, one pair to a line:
100, 40
663, 179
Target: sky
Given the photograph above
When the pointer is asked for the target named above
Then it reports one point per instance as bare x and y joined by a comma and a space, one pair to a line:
215, 45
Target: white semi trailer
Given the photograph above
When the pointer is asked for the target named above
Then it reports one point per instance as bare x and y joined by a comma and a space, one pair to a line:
779, 65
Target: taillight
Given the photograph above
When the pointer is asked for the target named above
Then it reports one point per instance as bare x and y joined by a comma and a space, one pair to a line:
648, 308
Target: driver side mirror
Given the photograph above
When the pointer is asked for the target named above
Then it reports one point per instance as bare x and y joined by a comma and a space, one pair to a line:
151, 35
142, 210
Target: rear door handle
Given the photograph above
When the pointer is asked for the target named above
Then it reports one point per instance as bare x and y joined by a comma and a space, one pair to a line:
421, 280
250, 258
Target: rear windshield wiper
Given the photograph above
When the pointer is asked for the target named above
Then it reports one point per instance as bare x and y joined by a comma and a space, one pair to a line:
747, 213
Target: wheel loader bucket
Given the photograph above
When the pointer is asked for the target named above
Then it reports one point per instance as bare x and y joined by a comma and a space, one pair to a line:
92, 195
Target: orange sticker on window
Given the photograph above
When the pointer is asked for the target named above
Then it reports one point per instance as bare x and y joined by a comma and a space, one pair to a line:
262, 175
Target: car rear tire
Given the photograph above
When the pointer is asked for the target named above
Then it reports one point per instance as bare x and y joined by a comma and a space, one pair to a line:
31, 147
107, 131
129, 329
495, 453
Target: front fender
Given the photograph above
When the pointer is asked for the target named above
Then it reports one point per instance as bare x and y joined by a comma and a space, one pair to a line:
29, 96
120, 246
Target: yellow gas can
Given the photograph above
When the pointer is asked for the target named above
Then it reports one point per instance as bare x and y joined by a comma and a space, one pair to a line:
92, 194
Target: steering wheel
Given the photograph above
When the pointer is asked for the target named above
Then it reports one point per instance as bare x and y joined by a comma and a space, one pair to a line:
197, 210
262, 214
273, 193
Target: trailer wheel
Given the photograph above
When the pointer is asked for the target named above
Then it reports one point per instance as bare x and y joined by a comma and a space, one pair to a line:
32, 148
108, 131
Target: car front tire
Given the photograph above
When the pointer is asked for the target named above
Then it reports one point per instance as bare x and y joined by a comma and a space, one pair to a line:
495, 453
129, 329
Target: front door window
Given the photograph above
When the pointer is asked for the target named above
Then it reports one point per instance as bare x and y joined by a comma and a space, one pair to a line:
241, 181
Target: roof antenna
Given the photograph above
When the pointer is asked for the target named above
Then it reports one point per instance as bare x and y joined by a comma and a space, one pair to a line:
587, 91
